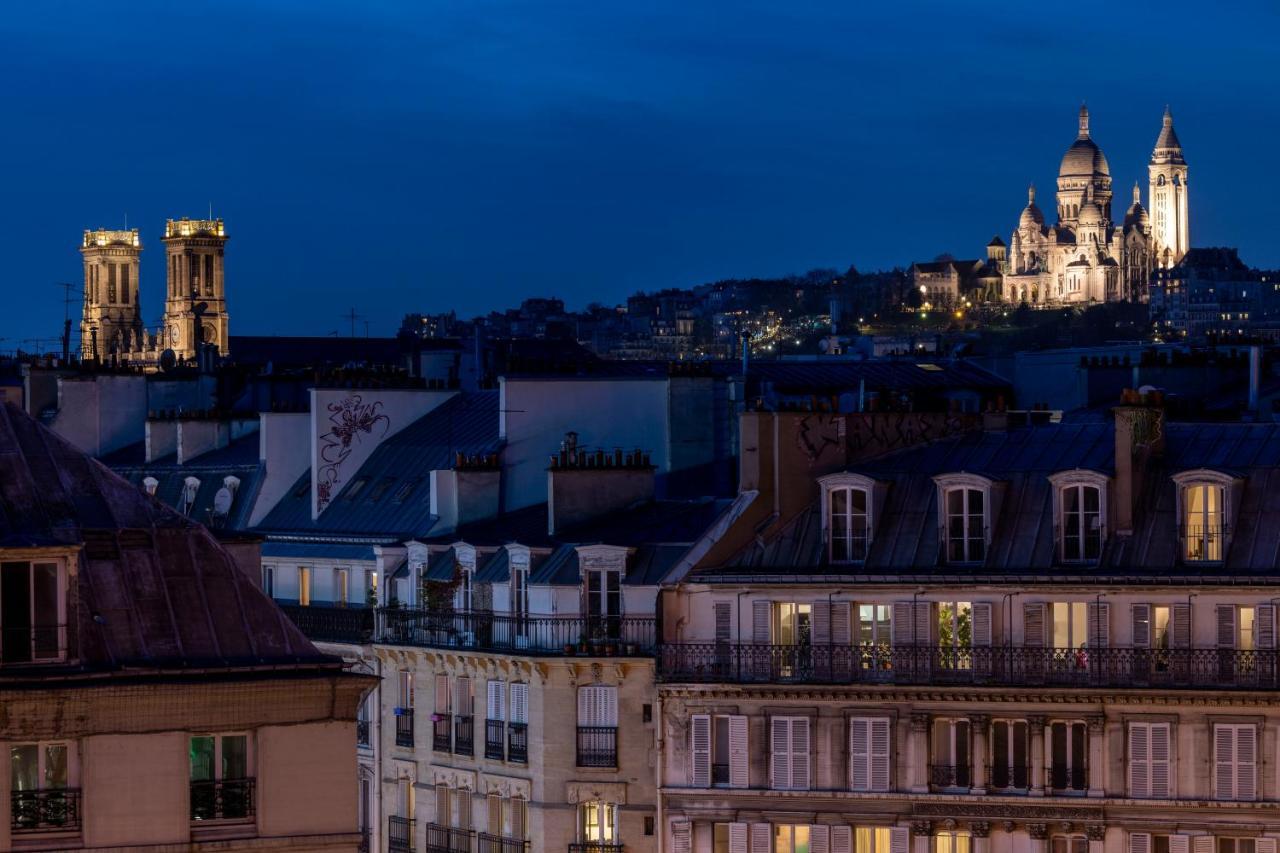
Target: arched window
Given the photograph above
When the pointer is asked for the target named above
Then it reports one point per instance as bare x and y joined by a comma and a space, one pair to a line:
848, 510
1202, 522
1080, 514
965, 524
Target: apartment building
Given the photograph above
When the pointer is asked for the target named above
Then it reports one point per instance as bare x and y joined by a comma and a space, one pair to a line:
154, 698
1055, 638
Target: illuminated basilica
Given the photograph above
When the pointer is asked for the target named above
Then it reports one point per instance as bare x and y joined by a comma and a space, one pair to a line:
1087, 256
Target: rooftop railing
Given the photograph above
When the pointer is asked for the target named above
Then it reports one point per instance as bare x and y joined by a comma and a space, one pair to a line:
744, 663
534, 635
333, 624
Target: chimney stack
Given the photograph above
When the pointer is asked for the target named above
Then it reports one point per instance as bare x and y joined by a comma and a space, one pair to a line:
1139, 436
584, 485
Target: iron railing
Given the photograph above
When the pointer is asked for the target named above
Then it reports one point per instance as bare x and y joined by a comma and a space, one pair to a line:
362, 733
464, 735
1064, 778
950, 775
441, 732
487, 843
222, 799
1003, 777
45, 811
594, 847
597, 746
448, 839
518, 743
399, 834
332, 624
995, 665
404, 727
495, 739
534, 635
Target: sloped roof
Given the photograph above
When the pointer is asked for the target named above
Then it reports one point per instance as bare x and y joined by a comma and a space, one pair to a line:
906, 536
393, 500
154, 590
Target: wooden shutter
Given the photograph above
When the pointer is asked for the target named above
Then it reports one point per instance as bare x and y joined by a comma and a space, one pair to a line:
761, 837
587, 706
1264, 627
464, 809
1226, 626
761, 611
495, 707
1140, 842
982, 623
1180, 614
819, 839
1099, 627
779, 752
881, 740
1264, 845
442, 694
1202, 844
902, 636
1180, 843
494, 802
1161, 775
519, 818
738, 838
1246, 762
681, 841
739, 757
700, 751
860, 754
821, 614
800, 754
924, 623
841, 624
463, 697
443, 815
1140, 760
520, 702
1224, 762
724, 631
899, 840
1033, 626
1141, 614
842, 839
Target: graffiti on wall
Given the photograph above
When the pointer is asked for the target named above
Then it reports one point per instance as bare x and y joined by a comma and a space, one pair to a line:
349, 419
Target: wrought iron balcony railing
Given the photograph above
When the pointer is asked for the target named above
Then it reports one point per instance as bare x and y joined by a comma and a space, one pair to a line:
950, 775
532, 635
495, 739
464, 735
486, 843
333, 624
399, 834
518, 743
597, 746
442, 732
1003, 777
1065, 778
448, 839
222, 799
595, 847
995, 665
45, 811
404, 727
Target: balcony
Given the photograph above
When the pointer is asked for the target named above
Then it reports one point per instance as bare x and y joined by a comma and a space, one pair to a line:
442, 732
362, 733
1007, 779
332, 624
524, 635
404, 727
743, 663
597, 746
595, 847
222, 799
464, 735
448, 839
950, 776
399, 834
518, 743
486, 843
1065, 779
45, 811
495, 739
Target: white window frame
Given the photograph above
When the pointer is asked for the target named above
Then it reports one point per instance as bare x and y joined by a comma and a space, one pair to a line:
1010, 768
606, 823
786, 773
42, 748
269, 579
871, 770
60, 571
1070, 734
1079, 478
341, 582
965, 483
1142, 767
1205, 478
1232, 789
305, 580
848, 483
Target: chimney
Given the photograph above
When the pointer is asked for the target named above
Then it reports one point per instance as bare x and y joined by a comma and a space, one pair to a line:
1255, 376
467, 492
584, 485
1139, 436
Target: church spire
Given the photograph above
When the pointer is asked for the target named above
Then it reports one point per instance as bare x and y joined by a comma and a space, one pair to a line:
1084, 121
1137, 194
1031, 194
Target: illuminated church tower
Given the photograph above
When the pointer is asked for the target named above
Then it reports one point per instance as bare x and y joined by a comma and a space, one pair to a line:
1167, 197
194, 257
111, 324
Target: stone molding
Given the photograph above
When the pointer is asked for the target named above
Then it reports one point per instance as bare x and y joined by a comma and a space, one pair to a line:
585, 792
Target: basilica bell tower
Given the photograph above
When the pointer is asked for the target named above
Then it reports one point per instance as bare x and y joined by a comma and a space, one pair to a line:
111, 324
1167, 197
195, 305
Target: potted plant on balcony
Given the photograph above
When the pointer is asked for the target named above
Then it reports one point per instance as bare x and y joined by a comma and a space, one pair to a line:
631, 648
582, 644
570, 648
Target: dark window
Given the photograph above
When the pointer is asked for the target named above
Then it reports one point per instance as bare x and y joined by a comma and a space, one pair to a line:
406, 489
356, 487
381, 489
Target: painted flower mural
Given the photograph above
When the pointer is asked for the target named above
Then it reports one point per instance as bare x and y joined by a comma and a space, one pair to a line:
350, 418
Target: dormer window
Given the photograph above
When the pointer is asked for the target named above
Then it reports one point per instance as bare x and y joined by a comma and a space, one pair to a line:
849, 503
1080, 514
32, 612
464, 557
965, 509
1204, 511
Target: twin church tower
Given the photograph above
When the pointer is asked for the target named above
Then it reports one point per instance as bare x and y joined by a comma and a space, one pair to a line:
195, 306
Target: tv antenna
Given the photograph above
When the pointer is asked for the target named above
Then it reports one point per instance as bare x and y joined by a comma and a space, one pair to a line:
67, 290
352, 316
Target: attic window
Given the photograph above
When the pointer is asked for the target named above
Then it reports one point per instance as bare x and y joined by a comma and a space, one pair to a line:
1205, 510
304, 488
848, 507
381, 489
32, 612
406, 489
964, 516
356, 487
932, 367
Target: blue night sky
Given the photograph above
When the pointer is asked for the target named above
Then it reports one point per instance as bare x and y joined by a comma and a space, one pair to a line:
417, 156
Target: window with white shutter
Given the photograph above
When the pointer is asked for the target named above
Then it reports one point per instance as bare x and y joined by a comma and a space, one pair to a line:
761, 838
1033, 629
789, 753
869, 739
738, 838
681, 837
1099, 627
724, 622
442, 694
700, 751
1139, 842
1235, 756
761, 616
819, 838
738, 756
598, 705
842, 840
495, 707
1149, 760
1202, 844
899, 840
520, 702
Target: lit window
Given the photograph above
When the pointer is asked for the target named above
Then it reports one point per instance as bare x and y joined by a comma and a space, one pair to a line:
791, 838
951, 842
221, 781
598, 823
1202, 522
304, 586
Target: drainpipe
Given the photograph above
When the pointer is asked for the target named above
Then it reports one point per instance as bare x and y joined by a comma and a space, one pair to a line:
660, 823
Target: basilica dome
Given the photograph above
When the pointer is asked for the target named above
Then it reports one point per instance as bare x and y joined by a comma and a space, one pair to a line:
1084, 159
1031, 218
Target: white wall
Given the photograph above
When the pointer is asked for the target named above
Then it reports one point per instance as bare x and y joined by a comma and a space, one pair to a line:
103, 413
535, 414
284, 448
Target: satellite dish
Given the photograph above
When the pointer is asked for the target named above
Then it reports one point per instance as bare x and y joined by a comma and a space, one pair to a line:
168, 360
222, 501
